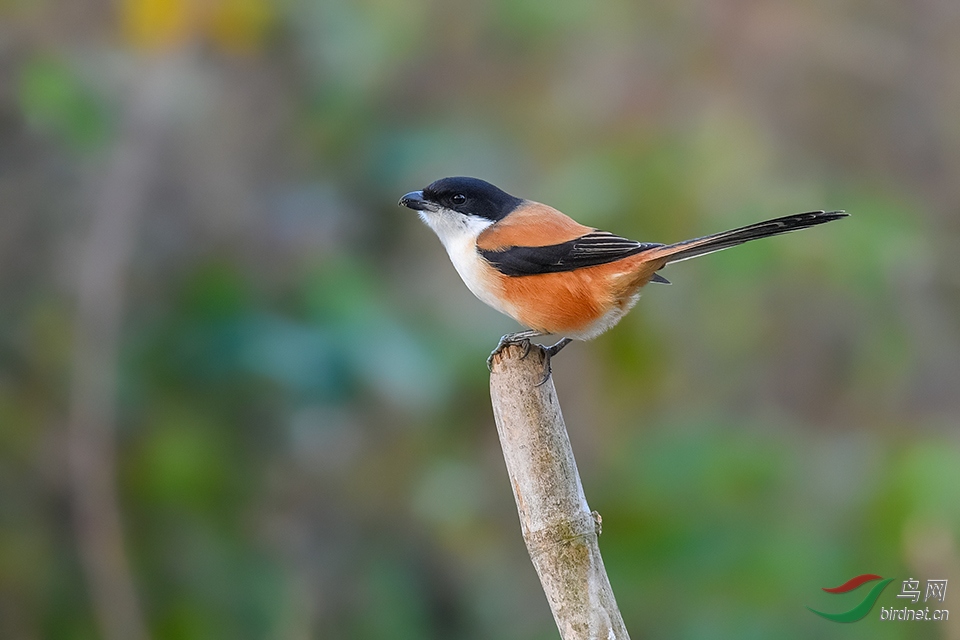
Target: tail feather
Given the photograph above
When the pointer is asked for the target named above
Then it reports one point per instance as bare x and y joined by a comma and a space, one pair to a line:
726, 239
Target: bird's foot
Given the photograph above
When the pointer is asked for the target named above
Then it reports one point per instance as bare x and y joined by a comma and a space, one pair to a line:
521, 338
548, 353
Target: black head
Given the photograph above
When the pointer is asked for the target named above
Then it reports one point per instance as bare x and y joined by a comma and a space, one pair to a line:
469, 196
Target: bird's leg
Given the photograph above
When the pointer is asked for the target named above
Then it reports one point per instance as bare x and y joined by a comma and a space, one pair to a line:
520, 337
549, 352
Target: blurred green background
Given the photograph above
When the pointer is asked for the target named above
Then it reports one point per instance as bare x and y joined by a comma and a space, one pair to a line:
243, 394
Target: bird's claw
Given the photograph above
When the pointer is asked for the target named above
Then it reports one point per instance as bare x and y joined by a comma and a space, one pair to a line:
546, 368
505, 342
548, 353
524, 348
523, 340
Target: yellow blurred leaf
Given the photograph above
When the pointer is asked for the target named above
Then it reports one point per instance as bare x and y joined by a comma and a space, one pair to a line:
157, 24
238, 26
232, 25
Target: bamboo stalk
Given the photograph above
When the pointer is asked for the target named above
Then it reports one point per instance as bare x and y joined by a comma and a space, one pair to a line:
558, 527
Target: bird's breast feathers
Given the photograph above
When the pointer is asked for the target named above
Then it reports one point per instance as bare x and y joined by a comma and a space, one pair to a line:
543, 269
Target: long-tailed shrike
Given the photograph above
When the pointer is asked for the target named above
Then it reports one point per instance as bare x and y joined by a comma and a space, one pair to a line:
550, 273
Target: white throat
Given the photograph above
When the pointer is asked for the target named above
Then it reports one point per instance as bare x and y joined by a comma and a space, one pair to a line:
454, 228
458, 233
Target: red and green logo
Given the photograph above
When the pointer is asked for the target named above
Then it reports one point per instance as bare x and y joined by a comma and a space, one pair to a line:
865, 606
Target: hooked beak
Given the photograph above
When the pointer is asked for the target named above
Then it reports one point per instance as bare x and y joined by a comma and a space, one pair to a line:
414, 200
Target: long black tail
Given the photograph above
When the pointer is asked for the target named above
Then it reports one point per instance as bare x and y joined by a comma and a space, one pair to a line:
719, 241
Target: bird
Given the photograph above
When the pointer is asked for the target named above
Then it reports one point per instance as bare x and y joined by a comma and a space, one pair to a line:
550, 273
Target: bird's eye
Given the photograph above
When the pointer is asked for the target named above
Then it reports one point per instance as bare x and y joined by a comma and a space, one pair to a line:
458, 199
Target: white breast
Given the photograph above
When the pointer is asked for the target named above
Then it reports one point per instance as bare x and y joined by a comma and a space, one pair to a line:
458, 233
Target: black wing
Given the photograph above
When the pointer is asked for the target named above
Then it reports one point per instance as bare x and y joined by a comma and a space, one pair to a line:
599, 247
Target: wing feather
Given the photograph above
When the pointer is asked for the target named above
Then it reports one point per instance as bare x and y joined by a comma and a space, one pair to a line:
592, 249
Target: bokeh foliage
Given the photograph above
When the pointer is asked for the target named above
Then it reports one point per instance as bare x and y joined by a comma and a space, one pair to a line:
305, 447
